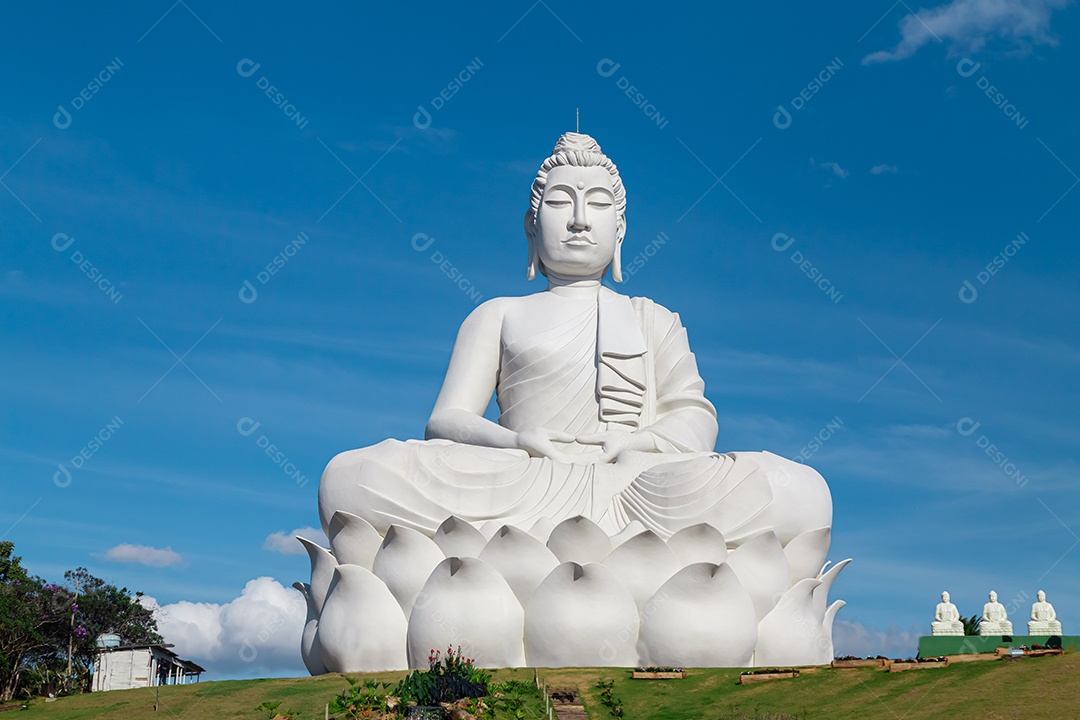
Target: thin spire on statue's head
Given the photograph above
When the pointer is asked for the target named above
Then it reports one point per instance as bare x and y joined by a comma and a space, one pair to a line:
577, 120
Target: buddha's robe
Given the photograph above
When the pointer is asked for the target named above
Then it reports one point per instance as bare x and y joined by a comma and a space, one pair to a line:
616, 362
1043, 612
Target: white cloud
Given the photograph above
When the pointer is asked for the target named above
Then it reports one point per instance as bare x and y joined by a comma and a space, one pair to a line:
852, 638
287, 544
969, 24
881, 169
254, 635
144, 555
834, 168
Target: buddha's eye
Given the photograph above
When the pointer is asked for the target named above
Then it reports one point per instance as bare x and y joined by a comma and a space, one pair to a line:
557, 203
601, 204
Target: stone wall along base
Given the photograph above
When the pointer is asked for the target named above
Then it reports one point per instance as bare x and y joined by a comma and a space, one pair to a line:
936, 645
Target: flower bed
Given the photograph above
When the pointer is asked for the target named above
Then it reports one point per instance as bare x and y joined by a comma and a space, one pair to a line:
850, 661
1042, 652
750, 677
918, 664
658, 673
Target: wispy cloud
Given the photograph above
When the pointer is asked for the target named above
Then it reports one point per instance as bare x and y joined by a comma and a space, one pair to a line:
833, 167
144, 555
968, 25
883, 169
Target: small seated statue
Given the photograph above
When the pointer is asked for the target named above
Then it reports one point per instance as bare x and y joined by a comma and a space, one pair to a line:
946, 618
995, 620
1043, 618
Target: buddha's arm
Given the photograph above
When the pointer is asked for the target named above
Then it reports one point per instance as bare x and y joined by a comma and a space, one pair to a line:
466, 391
470, 381
685, 420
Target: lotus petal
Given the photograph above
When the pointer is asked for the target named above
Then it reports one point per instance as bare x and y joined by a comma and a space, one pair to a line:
821, 593
353, 540
643, 563
489, 528
404, 563
806, 553
581, 616
632, 529
521, 559
580, 540
790, 634
827, 626
698, 543
541, 529
310, 650
701, 617
362, 628
467, 603
457, 538
763, 570
322, 571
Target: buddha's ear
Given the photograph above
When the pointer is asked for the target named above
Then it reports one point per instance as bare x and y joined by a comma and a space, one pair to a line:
616, 260
530, 236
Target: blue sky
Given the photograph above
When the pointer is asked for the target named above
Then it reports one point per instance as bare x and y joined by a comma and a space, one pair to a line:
823, 181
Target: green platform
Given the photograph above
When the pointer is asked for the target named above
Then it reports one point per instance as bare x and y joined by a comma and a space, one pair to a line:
935, 645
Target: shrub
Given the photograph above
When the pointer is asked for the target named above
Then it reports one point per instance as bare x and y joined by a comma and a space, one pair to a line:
446, 680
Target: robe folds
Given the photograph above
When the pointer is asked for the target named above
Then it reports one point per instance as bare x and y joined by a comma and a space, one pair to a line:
616, 362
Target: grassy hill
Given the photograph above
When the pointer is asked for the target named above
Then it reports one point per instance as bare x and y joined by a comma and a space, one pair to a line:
1000, 690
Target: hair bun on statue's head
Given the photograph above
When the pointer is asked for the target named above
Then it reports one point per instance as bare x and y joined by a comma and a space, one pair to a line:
580, 142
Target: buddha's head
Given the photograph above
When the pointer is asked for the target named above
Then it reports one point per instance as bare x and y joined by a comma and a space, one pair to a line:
993, 596
577, 212
945, 596
1041, 595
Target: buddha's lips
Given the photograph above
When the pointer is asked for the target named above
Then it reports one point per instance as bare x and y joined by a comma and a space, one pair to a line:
579, 240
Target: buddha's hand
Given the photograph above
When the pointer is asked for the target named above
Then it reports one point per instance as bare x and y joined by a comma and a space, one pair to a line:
540, 442
615, 442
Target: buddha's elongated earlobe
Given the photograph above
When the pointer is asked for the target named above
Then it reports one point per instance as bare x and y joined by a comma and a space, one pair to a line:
534, 255
616, 260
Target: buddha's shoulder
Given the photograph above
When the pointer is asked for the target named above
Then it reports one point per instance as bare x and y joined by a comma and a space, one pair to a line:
495, 309
511, 304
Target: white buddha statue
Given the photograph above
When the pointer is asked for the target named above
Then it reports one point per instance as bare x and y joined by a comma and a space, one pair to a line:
946, 618
540, 538
995, 620
603, 412
1043, 618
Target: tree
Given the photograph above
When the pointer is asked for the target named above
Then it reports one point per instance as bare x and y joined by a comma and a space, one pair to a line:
104, 608
971, 624
32, 615
41, 623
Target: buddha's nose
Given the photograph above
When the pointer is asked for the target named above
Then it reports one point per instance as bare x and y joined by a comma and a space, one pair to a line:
579, 221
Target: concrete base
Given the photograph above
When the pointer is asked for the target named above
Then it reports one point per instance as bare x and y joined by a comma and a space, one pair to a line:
935, 645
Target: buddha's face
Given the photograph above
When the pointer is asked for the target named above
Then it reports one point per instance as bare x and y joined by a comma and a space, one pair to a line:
944, 597
1041, 595
577, 227
993, 596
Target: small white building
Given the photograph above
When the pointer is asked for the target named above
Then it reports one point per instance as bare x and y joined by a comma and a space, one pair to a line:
123, 667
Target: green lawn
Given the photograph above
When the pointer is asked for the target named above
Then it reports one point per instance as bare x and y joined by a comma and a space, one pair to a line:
1031, 687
